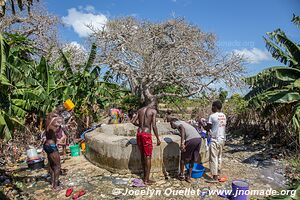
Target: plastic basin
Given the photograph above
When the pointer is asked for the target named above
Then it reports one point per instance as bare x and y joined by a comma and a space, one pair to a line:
198, 170
36, 164
75, 150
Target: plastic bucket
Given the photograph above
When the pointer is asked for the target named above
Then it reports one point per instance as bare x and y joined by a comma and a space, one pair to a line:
69, 105
36, 164
240, 191
239, 188
82, 146
198, 170
32, 154
75, 150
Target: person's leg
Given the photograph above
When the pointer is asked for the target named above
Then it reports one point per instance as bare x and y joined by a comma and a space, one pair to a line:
141, 148
220, 152
181, 173
143, 164
189, 175
55, 165
213, 160
148, 170
147, 149
51, 170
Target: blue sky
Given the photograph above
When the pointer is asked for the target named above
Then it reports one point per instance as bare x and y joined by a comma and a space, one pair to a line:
238, 24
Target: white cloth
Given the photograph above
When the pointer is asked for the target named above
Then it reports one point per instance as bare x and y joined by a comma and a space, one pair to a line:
218, 122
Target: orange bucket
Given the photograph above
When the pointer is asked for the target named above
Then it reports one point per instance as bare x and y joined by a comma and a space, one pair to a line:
69, 105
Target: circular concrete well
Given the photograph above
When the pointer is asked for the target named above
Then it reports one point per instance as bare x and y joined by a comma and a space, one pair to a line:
114, 148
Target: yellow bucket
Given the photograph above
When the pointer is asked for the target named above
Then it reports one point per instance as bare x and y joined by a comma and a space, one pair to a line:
69, 105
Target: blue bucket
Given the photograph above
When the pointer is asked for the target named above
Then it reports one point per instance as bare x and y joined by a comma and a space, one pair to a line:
198, 170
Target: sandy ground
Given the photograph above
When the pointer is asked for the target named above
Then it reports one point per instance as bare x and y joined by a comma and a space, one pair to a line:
240, 162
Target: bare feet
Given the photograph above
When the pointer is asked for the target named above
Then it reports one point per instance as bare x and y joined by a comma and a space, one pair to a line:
214, 179
188, 179
63, 172
149, 182
57, 188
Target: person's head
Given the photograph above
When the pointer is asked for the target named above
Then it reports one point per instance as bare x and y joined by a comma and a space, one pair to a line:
131, 112
154, 103
173, 123
54, 123
216, 106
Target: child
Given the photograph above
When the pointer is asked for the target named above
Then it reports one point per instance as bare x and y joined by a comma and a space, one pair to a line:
216, 124
53, 157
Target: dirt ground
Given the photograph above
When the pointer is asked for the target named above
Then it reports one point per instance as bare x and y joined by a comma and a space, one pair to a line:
262, 172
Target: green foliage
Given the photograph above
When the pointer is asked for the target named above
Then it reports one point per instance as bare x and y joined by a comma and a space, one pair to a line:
223, 95
28, 86
235, 105
12, 88
172, 100
278, 87
86, 89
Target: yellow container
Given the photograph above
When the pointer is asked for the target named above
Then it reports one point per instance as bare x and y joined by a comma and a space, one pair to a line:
69, 105
82, 145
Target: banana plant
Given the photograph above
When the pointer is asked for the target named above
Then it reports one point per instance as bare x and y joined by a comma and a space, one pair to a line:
12, 90
86, 88
279, 87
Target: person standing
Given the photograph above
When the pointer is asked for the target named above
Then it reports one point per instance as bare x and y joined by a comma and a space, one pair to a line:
217, 125
145, 119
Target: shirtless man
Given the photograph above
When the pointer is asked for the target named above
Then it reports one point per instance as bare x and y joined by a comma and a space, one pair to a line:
145, 119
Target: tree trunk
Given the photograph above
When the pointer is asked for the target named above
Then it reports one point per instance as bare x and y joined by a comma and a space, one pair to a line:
147, 97
87, 121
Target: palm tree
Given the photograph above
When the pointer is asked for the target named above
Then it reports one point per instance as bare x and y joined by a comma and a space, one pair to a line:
278, 88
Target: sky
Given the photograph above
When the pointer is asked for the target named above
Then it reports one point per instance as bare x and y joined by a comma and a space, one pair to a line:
238, 24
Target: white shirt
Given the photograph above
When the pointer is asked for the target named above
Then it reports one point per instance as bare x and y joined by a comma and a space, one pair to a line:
218, 121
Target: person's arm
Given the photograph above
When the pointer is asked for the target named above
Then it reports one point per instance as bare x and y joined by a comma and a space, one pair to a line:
182, 140
209, 123
135, 120
155, 127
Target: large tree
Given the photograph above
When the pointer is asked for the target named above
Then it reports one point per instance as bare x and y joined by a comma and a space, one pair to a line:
12, 5
38, 25
151, 56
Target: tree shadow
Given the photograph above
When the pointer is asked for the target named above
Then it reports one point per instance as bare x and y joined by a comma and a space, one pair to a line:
170, 158
135, 164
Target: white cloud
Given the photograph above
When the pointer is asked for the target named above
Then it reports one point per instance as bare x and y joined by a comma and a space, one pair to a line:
253, 55
78, 20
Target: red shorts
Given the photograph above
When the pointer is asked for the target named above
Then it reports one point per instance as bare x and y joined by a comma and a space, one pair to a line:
144, 142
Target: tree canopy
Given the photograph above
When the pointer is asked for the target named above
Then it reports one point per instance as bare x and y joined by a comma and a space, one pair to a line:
150, 56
